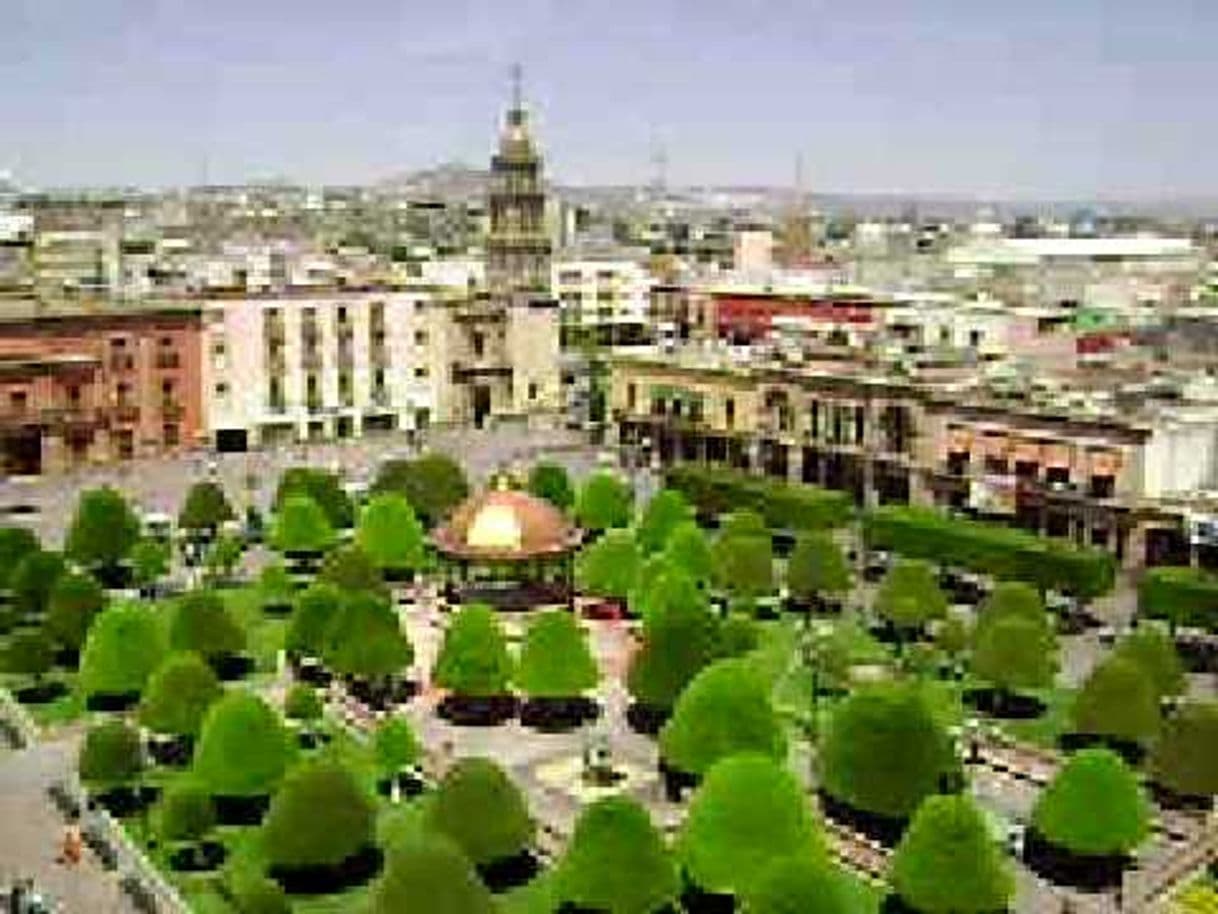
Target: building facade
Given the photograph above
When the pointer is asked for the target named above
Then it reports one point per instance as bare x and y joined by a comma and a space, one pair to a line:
602, 301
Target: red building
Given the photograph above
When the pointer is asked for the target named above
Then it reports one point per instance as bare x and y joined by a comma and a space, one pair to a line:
88, 386
743, 316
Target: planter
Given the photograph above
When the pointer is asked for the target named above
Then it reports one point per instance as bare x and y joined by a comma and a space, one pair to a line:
358, 869
510, 872
477, 711
1092, 873
558, 715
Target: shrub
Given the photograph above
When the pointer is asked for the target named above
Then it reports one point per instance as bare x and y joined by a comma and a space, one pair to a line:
302, 703
680, 637
103, 530
316, 608
689, 550
15, 544
366, 640
1014, 653
185, 813
33, 582
395, 746
223, 556
609, 567
430, 876
1011, 598
1154, 652
434, 484
474, 659
179, 693
1183, 757
110, 756
866, 732
29, 653
202, 623
1093, 806
909, 596
206, 508
744, 564
725, 710
817, 567
319, 817
390, 534
796, 885
1180, 596
258, 894
748, 812
948, 862
301, 525
714, 491
350, 569
551, 482
1118, 702
616, 861
323, 488
149, 561
667, 510
243, 750
555, 661
604, 502
275, 587
124, 645
481, 811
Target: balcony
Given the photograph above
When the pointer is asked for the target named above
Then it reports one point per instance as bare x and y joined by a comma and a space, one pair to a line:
311, 361
168, 360
171, 411
126, 412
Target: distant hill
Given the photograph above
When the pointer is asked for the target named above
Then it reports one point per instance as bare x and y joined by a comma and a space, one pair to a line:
449, 181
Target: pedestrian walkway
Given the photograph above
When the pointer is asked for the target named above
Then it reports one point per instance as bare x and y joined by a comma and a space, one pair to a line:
32, 830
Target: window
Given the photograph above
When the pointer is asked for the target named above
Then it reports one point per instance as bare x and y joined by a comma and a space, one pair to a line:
74, 394
631, 396
378, 378
118, 342
170, 434
166, 342
218, 347
342, 314
532, 390
420, 371
123, 394
479, 344
221, 390
729, 412
167, 388
420, 337
18, 400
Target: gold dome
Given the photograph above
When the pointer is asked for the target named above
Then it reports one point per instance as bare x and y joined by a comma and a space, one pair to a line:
505, 524
495, 526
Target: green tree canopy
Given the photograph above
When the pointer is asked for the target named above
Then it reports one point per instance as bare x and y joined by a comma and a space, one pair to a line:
551, 482
434, 484
1117, 701
1154, 652
150, 560
323, 487
178, 695
275, 586
747, 812
817, 567
223, 556
689, 549
103, 530
909, 596
743, 522
203, 623
390, 534
319, 817
1094, 806
869, 729
802, 885
604, 502
244, 750
185, 813
667, 510
1011, 598
75, 599
724, 710
430, 876
351, 569
205, 509
948, 862
616, 861
316, 608
302, 703
301, 525
663, 587
555, 661
1183, 758
29, 653
110, 755
1015, 652
474, 659
15, 543
744, 564
482, 811
126, 642
680, 637
254, 893
395, 746
366, 640
33, 581
610, 566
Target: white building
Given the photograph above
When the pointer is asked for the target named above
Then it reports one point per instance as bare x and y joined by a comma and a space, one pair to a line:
604, 299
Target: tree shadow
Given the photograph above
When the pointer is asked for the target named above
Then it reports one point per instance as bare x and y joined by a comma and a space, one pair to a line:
1090, 873
356, 870
477, 711
558, 715
1003, 704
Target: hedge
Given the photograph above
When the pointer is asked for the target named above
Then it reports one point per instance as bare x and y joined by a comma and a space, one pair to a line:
1182, 596
714, 491
1003, 552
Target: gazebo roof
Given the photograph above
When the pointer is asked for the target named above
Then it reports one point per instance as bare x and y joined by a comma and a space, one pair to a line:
506, 525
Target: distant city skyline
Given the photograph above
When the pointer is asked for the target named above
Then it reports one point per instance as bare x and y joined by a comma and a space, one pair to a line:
1095, 99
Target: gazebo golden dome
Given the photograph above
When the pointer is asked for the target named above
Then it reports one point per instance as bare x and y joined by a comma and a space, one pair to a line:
504, 525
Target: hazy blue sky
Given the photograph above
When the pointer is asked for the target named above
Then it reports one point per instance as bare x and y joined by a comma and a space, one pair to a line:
989, 97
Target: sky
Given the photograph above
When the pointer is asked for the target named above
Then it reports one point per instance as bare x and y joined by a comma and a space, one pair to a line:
1000, 99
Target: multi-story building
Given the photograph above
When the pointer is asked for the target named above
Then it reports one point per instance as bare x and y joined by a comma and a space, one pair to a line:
89, 384
602, 300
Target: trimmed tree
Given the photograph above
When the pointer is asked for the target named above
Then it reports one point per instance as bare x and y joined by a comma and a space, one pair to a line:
184, 814
150, 560
319, 818
1154, 652
179, 693
206, 508
947, 861
1117, 702
604, 502
15, 544
276, 590
817, 568
29, 653
482, 811
434, 484
474, 659
254, 893
323, 487
350, 569
680, 637
110, 756
33, 581
867, 731
202, 623
555, 661
743, 523
1011, 599
909, 596
1183, 758
390, 535
75, 600
667, 510
1093, 806
744, 564
366, 640
316, 608
103, 530
689, 549
1015, 653
610, 566
798, 885
302, 704
551, 482
430, 876
748, 812
614, 837
395, 746
300, 525
125, 643
243, 750
223, 556
725, 710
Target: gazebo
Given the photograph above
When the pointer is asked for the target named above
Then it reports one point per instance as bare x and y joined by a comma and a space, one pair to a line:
508, 548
